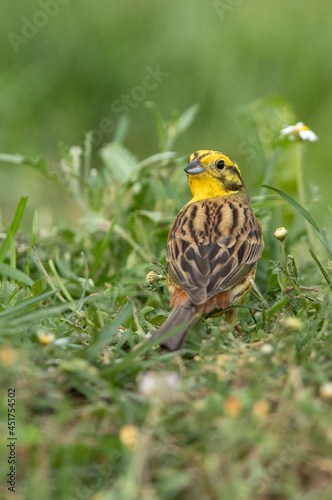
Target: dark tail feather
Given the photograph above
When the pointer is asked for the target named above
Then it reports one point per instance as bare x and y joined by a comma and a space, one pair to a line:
180, 321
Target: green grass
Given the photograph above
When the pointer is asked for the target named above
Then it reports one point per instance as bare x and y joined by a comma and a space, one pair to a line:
234, 417
70, 76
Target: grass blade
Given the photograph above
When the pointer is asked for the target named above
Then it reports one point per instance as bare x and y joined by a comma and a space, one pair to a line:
36, 315
321, 268
101, 249
161, 131
106, 334
15, 274
27, 303
33, 240
13, 227
306, 215
186, 118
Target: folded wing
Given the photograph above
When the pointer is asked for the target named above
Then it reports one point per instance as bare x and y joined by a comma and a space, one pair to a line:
212, 254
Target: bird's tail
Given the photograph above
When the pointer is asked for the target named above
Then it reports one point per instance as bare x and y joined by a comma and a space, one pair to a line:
180, 320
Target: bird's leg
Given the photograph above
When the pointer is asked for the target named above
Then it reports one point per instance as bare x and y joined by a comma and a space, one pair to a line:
238, 329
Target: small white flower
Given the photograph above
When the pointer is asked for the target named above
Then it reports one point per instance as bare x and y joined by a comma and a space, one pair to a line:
76, 151
64, 166
299, 132
61, 341
162, 386
267, 349
45, 337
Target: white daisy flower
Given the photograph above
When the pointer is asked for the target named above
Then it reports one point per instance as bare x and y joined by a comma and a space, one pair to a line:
299, 132
45, 337
161, 386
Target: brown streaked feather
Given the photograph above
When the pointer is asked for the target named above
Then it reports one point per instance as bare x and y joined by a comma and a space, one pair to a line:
213, 245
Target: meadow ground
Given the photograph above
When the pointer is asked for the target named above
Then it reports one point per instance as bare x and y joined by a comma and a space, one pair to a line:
232, 417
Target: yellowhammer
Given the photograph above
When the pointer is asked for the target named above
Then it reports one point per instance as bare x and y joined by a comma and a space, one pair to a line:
213, 247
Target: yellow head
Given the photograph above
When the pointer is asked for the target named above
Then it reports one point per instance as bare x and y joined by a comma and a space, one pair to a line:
213, 175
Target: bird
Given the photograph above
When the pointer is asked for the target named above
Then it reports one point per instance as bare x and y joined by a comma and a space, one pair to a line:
213, 248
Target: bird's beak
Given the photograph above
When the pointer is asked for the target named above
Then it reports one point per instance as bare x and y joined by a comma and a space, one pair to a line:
194, 168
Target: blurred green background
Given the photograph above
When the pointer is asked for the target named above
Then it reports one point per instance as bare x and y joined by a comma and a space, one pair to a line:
67, 67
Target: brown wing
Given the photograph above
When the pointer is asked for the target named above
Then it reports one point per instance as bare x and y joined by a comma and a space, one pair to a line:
212, 246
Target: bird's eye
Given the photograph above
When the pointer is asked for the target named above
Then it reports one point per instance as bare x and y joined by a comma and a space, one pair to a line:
220, 164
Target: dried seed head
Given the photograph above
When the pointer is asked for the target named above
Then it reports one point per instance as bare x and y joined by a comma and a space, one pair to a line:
8, 355
325, 390
152, 277
292, 323
281, 233
129, 436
